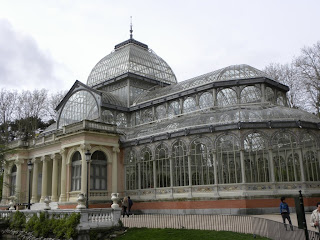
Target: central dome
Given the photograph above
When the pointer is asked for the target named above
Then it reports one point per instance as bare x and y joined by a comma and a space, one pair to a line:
134, 57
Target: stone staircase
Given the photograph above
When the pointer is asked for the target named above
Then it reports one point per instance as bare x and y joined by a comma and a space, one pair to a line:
40, 206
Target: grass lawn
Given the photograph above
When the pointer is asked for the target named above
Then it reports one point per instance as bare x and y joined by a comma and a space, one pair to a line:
182, 234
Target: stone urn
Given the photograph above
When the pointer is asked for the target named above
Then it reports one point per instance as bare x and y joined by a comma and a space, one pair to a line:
81, 201
11, 204
47, 202
115, 199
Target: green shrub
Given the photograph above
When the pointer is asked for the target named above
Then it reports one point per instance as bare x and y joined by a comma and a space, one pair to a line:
18, 221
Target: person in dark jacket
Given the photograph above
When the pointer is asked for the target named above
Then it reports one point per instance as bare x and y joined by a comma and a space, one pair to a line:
130, 204
285, 213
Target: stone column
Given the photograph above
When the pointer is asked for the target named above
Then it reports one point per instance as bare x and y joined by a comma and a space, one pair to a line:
18, 163
34, 197
83, 149
271, 166
63, 194
243, 171
154, 167
116, 150
139, 173
189, 167
54, 196
5, 189
263, 92
44, 187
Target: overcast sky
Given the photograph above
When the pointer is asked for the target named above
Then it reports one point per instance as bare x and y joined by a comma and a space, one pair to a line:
50, 44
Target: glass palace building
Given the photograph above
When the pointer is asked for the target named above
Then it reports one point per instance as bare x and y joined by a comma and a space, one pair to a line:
222, 142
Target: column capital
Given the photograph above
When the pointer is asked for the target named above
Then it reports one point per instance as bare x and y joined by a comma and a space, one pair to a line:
63, 151
116, 149
45, 158
85, 147
35, 160
19, 161
55, 156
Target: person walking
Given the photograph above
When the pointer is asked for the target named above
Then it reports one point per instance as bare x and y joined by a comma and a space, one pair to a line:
285, 213
125, 204
130, 204
315, 217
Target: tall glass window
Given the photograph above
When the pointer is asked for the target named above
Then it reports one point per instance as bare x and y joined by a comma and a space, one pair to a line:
147, 116
189, 105
146, 169
13, 178
81, 105
98, 171
285, 157
131, 169
227, 97
310, 160
205, 100
201, 164
269, 94
228, 157
256, 158
180, 164
76, 172
162, 166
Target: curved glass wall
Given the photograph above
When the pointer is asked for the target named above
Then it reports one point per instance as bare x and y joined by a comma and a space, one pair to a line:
121, 120
228, 156
285, 157
310, 158
107, 116
81, 105
256, 158
131, 170
162, 166
202, 168
180, 164
146, 169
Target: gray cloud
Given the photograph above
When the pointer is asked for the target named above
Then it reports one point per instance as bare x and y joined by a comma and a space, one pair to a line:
23, 65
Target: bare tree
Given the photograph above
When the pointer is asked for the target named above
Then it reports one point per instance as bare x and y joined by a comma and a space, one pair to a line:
288, 75
52, 102
308, 65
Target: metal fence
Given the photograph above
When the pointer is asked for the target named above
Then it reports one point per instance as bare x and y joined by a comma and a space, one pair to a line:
234, 223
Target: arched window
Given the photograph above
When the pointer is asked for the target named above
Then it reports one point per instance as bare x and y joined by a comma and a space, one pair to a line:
131, 170
228, 157
251, 94
269, 95
81, 105
201, 164
146, 169
161, 112
13, 178
162, 166
256, 158
121, 120
310, 160
98, 171
206, 100
285, 157
189, 105
107, 116
227, 97
180, 170
147, 116
76, 172
173, 109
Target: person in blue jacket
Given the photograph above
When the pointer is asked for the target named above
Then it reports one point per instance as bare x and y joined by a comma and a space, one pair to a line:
285, 213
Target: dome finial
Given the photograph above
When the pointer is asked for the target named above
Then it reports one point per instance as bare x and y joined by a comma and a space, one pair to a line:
131, 27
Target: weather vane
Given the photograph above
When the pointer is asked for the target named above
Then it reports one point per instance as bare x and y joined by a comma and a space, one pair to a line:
131, 27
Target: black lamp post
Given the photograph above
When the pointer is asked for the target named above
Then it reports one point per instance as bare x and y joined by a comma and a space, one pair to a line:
30, 165
88, 158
